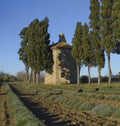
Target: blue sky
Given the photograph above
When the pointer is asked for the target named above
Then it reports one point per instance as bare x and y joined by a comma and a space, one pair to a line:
62, 14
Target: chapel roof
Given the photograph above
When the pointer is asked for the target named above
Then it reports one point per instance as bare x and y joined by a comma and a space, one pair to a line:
60, 45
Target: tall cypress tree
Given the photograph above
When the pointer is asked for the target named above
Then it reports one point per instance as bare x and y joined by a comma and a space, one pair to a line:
38, 47
106, 30
95, 35
77, 48
23, 50
116, 25
88, 53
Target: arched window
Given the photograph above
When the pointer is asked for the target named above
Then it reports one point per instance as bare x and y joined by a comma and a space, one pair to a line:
62, 74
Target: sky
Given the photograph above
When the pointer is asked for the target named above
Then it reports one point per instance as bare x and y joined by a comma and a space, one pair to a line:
63, 16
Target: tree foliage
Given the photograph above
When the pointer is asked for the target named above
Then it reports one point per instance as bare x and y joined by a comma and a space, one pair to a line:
95, 36
77, 43
116, 25
88, 52
37, 49
106, 30
77, 48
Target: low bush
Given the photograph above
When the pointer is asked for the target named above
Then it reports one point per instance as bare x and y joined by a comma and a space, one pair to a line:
117, 113
86, 106
103, 110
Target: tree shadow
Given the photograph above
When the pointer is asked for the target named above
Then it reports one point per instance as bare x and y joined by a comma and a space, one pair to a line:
42, 113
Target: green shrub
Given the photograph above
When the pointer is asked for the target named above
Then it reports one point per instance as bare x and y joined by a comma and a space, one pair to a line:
117, 113
44, 94
103, 110
86, 106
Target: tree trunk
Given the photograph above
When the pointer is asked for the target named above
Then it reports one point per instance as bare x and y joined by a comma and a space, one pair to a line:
30, 76
34, 76
99, 74
78, 74
27, 72
109, 68
89, 82
38, 77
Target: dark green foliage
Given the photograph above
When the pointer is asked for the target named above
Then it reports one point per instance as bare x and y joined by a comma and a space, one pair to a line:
38, 44
35, 50
77, 51
116, 19
88, 52
116, 25
95, 38
23, 49
77, 43
84, 79
106, 30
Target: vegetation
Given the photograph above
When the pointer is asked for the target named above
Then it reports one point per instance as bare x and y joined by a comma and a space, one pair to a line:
95, 25
77, 48
96, 99
35, 49
88, 53
88, 44
5, 77
106, 30
116, 25
23, 116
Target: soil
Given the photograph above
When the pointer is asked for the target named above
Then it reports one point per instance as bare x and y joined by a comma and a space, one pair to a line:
6, 118
55, 114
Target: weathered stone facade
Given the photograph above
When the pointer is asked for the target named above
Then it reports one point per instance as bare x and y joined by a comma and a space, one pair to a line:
64, 68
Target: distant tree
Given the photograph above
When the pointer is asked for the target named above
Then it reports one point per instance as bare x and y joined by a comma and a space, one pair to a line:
23, 50
116, 25
106, 30
88, 53
77, 48
95, 35
21, 76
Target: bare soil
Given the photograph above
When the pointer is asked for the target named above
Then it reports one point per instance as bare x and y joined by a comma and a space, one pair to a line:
55, 114
6, 118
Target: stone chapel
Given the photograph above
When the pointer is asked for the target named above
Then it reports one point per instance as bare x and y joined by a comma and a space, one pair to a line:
64, 68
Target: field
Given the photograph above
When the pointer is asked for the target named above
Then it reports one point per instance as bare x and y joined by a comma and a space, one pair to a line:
23, 104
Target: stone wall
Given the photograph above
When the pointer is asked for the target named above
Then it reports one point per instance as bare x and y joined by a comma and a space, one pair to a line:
64, 68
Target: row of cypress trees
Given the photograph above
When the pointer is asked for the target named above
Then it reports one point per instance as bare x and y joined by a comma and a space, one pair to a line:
88, 45
35, 51
102, 35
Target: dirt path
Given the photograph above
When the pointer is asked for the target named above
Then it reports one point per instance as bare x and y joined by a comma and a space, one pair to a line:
5, 118
57, 114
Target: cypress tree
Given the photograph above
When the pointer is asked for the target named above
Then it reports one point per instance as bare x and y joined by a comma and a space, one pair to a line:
106, 30
23, 50
77, 48
38, 48
88, 53
95, 35
116, 25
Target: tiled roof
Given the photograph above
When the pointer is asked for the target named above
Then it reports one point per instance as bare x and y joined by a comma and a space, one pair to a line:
59, 45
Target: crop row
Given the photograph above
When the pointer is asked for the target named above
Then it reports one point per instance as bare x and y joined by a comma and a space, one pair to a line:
60, 96
23, 116
109, 93
98, 109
